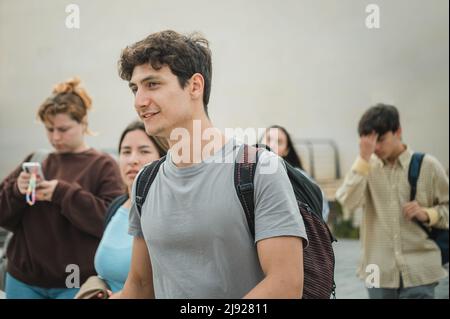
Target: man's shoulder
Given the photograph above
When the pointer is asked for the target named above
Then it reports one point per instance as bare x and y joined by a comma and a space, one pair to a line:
270, 163
432, 164
430, 159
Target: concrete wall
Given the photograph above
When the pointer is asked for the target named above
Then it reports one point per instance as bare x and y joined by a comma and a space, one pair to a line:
310, 65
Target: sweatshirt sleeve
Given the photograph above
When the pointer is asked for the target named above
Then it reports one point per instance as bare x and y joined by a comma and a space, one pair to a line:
12, 202
86, 210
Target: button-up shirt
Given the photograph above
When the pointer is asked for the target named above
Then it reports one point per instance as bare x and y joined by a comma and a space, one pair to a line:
397, 246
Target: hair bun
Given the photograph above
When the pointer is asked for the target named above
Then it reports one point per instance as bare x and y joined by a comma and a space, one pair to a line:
72, 85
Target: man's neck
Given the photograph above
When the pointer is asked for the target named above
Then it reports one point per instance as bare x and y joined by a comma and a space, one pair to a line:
199, 141
393, 159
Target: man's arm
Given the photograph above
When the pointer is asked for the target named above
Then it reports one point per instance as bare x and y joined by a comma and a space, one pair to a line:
281, 260
351, 194
437, 214
139, 283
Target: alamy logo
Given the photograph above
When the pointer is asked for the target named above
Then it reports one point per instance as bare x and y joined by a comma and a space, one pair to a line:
73, 279
373, 279
188, 149
73, 19
373, 19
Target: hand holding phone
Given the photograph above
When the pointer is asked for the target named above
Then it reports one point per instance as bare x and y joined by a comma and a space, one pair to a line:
34, 167
39, 189
23, 180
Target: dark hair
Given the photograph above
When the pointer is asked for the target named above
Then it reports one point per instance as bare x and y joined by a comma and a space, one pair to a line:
160, 143
381, 118
184, 55
291, 157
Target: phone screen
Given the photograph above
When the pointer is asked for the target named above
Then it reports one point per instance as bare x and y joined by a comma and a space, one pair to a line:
35, 167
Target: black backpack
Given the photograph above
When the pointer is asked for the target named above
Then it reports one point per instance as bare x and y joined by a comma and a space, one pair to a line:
318, 257
440, 236
113, 207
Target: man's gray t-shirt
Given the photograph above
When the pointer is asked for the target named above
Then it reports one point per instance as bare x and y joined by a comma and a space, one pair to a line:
195, 228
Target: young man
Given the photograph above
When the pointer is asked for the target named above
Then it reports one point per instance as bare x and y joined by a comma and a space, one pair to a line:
192, 238
409, 263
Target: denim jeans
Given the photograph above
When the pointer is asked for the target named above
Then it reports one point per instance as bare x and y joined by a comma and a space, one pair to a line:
419, 292
16, 289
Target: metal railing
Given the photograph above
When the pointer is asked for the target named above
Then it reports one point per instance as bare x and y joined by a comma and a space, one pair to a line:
320, 158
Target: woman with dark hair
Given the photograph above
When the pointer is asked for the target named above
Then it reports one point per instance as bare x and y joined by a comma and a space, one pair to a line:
57, 220
279, 140
113, 256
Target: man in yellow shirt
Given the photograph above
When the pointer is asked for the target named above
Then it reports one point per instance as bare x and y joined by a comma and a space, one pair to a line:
396, 252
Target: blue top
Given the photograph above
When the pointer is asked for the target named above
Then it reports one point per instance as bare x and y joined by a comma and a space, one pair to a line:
113, 256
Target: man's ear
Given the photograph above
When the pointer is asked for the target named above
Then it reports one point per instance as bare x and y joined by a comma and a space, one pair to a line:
398, 133
197, 86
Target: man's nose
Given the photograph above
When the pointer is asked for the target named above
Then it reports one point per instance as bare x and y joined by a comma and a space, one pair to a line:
142, 99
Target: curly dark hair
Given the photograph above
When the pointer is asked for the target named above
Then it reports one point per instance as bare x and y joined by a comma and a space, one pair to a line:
381, 118
184, 55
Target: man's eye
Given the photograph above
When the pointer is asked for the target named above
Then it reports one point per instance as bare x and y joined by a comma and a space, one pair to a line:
151, 84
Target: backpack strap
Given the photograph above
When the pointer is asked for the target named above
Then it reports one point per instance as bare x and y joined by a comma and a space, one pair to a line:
413, 177
244, 175
113, 207
145, 180
414, 172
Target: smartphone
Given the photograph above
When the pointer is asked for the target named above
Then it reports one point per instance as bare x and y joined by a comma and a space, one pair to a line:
35, 167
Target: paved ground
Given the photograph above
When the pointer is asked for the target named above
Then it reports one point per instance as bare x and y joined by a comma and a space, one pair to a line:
348, 286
